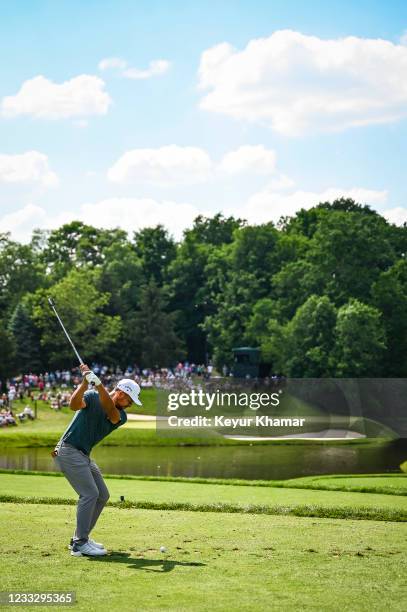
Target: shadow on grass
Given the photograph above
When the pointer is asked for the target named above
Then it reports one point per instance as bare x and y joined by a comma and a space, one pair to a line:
162, 565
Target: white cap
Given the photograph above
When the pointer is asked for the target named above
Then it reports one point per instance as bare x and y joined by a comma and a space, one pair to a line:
131, 388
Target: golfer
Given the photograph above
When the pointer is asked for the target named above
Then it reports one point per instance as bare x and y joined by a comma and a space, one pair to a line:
98, 413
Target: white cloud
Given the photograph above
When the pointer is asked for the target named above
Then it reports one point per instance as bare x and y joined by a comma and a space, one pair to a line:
40, 98
210, 68
112, 62
29, 167
155, 68
270, 205
249, 158
130, 214
135, 213
173, 164
22, 222
281, 183
167, 165
296, 83
397, 215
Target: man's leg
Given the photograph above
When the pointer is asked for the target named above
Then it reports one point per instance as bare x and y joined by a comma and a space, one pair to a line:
76, 468
103, 494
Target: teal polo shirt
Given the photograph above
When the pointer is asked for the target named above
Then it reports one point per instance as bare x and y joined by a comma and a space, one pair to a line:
90, 425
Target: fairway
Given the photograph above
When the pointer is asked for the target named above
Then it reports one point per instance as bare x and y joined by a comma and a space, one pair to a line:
166, 492
213, 561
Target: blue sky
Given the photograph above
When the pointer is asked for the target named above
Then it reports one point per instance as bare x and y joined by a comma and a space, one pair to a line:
276, 124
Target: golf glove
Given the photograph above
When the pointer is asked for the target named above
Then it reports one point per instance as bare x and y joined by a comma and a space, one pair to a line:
93, 379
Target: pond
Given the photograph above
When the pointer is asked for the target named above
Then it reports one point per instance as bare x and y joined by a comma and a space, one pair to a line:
249, 462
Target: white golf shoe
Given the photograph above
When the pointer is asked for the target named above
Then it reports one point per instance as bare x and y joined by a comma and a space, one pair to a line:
92, 542
96, 544
87, 549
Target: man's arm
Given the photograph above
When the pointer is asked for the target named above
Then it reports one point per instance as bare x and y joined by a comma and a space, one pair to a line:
77, 402
106, 401
113, 413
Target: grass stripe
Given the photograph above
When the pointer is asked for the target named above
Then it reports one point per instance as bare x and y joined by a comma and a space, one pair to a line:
148, 437
371, 514
312, 484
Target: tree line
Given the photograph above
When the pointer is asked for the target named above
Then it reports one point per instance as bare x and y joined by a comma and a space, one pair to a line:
322, 293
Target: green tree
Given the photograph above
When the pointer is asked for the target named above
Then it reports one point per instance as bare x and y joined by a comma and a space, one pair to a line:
20, 272
348, 252
292, 285
7, 354
187, 284
265, 331
121, 276
263, 312
185, 289
360, 341
81, 307
225, 284
305, 222
255, 250
77, 245
246, 272
154, 330
216, 230
311, 339
156, 250
27, 341
226, 328
390, 297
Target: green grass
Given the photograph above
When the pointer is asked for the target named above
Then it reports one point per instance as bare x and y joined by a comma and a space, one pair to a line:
49, 420
214, 497
387, 484
142, 436
394, 484
149, 399
125, 436
46, 430
216, 562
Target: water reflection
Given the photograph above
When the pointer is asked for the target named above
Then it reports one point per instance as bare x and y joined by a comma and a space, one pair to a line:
251, 462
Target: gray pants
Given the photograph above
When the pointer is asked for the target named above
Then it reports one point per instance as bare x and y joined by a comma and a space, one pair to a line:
84, 476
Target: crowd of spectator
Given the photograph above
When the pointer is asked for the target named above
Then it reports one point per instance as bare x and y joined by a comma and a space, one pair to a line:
7, 417
56, 387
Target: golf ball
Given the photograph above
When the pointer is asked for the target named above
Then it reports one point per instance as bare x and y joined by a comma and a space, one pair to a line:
162, 549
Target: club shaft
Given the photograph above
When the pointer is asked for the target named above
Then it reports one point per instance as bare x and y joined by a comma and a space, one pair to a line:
66, 333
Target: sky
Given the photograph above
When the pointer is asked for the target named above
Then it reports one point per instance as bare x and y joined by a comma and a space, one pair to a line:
130, 114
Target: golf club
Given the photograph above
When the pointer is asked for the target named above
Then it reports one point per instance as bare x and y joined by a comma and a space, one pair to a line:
51, 303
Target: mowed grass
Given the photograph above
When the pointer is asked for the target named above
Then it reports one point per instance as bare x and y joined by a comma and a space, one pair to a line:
47, 429
193, 494
213, 561
394, 484
389, 483
50, 424
50, 420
